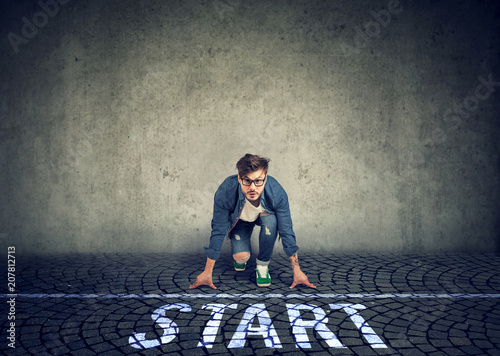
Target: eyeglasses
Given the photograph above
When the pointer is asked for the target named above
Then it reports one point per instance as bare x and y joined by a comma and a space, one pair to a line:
258, 182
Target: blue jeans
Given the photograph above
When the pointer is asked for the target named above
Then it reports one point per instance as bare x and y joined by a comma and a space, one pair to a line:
241, 233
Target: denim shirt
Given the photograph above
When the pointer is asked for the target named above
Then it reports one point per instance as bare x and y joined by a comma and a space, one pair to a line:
228, 205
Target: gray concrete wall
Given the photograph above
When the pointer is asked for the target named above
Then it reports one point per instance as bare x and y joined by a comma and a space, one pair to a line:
120, 118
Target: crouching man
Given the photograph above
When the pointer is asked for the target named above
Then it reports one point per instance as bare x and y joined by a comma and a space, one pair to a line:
242, 201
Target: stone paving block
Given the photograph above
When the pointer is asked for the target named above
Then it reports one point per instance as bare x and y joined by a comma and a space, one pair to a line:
352, 341
412, 352
471, 350
400, 343
451, 351
477, 335
63, 350
37, 351
102, 347
77, 345
32, 341
357, 350
428, 349
419, 340
441, 344
484, 344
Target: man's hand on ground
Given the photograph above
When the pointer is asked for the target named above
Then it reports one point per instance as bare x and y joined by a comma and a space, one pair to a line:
205, 278
299, 277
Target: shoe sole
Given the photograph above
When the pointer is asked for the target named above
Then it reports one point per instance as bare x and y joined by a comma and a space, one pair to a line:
264, 285
240, 269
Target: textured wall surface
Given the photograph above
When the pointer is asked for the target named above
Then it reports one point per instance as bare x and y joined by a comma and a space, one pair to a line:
119, 119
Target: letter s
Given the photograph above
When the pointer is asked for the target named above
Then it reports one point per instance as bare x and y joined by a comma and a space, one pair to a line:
170, 329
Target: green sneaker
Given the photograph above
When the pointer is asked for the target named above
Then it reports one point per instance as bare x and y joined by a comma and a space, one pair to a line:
263, 281
239, 267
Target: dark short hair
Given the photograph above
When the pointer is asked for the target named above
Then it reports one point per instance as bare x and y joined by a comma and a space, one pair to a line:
250, 163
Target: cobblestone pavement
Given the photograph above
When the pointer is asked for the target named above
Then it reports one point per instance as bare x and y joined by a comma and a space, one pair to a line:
365, 304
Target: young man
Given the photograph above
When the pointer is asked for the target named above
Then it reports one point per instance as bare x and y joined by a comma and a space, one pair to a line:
242, 201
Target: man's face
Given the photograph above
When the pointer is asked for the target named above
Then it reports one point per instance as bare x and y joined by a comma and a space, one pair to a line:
251, 192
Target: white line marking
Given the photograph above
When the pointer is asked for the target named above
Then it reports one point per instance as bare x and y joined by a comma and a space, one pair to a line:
255, 296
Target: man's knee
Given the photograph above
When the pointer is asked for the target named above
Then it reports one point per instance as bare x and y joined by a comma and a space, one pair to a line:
241, 257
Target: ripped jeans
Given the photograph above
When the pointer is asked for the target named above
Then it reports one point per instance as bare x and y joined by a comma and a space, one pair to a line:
241, 233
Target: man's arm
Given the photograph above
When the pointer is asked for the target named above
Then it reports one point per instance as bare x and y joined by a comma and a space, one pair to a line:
221, 222
288, 240
299, 277
205, 278
220, 226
